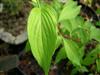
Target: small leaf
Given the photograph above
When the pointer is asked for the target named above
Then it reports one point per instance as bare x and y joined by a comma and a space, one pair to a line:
98, 11
98, 64
87, 25
27, 47
92, 56
77, 22
61, 55
95, 33
81, 52
80, 69
34, 1
58, 42
83, 69
57, 6
67, 25
69, 11
98, 23
74, 71
72, 53
91, 74
73, 24
81, 34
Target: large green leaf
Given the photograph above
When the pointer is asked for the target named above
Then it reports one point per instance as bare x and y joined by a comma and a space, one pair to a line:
72, 51
42, 35
69, 11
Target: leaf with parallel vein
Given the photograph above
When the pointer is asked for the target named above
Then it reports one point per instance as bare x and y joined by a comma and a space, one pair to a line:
42, 35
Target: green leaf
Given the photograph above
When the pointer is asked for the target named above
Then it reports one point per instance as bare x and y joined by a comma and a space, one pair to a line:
98, 11
27, 47
42, 35
87, 25
57, 6
95, 33
58, 42
73, 24
80, 69
34, 1
98, 65
81, 34
91, 74
67, 25
69, 11
77, 22
92, 56
83, 69
98, 23
72, 53
74, 71
61, 55
81, 52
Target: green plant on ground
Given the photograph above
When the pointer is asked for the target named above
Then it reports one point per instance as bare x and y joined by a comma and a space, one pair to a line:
12, 6
51, 24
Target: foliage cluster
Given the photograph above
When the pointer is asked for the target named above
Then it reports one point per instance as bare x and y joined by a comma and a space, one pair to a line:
53, 24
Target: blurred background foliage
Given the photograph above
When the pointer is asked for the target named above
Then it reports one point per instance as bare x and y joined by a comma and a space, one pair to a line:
12, 6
